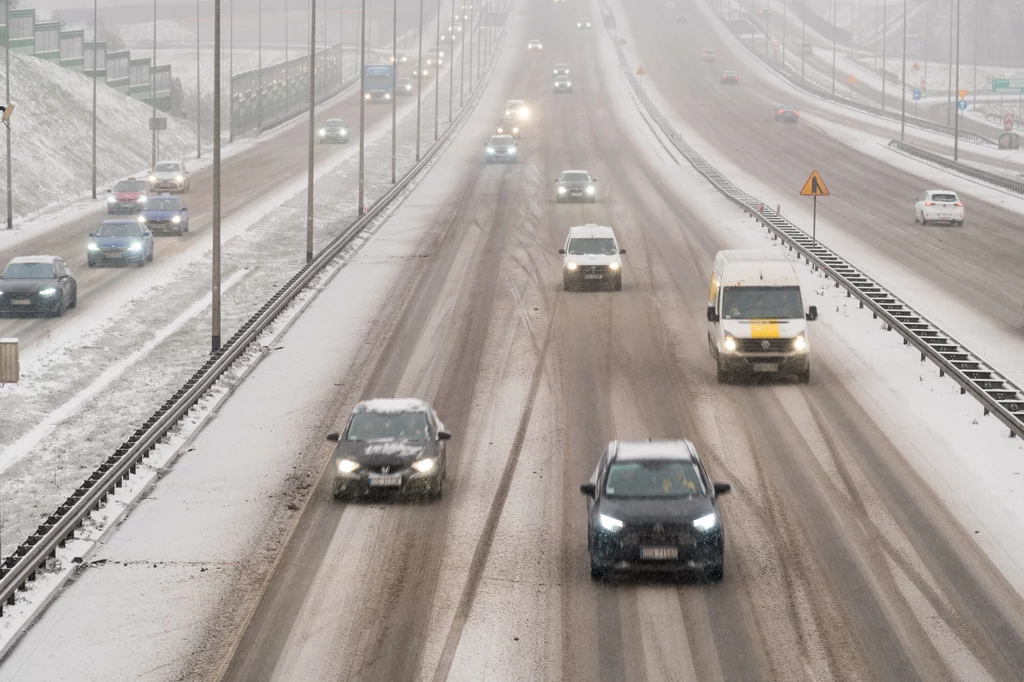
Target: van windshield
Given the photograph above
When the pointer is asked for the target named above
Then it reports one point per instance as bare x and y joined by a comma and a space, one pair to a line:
757, 303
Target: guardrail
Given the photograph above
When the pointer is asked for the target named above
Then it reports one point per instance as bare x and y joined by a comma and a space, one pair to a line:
19, 569
997, 394
976, 173
816, 90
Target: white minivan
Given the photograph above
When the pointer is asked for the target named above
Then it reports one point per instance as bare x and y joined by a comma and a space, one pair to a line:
756, 320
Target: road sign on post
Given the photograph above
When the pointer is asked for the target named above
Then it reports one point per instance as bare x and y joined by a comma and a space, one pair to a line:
641, 72
917, 95
814, 187
961, 105
962, 93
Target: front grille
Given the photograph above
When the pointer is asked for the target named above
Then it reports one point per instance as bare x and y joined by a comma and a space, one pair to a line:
765, 345
649, 536
593, 269
112, 251
391, 469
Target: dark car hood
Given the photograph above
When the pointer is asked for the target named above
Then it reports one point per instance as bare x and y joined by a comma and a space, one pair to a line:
115, 241
25, 286
159, 215
382, 453
638, 511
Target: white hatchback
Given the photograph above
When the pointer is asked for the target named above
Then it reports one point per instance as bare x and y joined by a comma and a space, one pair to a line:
939, 206
591, 256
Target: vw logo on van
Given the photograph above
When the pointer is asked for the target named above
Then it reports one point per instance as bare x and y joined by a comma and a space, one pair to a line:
765, 345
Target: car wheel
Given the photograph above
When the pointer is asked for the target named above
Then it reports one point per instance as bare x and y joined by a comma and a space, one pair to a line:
716, 573
923, 221
618, 284
150, 256
60, 309
916, 218
567, 283
74, 298
960, 223
805, 376
438, 490
141, 262
92, 263
723, 376
181, 231
597, 572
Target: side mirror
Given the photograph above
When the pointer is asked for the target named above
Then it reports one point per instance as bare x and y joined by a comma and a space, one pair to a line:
560, 251
812, 313
622, 251
109, 191
444, 435
147, 233
712, 315
593, 179
589, 489
334, 436
92, 234
184, 209
722, 488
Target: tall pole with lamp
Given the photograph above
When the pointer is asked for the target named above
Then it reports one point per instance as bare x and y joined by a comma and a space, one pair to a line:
215, 231
362, 104
419, 81
956, 116
835, 29
199, 99
95, 67
803, 38
903, 78
451, 71
437, 74
7, 100
312, 130
394, 91
152, 89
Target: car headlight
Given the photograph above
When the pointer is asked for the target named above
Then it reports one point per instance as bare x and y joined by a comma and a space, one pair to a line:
568, 84
571, 266
590, 189
322, 132
555, 72
179, 178
515, 131
800, 343
706, 522
561, 190
92, 247
135, 246
387, 95
152, 178
490, 150
730, 343
424, 465
512, 150
347, 466
49, 291
501, 130
142, 219
367, 95
609, 523
176, 219
111, 200
614, 266
142, 200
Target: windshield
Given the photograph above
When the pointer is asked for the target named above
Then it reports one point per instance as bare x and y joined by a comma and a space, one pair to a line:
756, 303
334, 123
502, 141
28, 271
388, 426
163, 204
378, 80
119, 230
654, 478
130, 186
575, 177
944, 197
601, 246
167, 168
507, 122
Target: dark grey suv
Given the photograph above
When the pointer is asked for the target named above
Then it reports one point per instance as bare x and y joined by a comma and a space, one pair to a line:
653, 508
395, 445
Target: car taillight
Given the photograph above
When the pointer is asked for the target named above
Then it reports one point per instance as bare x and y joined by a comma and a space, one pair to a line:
929, 203
796, 112
959, 203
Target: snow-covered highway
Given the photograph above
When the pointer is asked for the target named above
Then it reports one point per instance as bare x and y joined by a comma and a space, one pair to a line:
872, 528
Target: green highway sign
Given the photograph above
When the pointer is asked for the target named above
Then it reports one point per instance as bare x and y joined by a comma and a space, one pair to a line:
1008, 84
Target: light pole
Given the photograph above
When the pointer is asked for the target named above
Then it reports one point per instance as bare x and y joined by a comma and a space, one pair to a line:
199, 139
785, 6
7, 100
885, 26
231, 74
949, 79
419, 81
259, 67
767, 26
437, 73
451, 71
956, 117
835, 29
95, 55
312, 130
976, 22
152, 89
803, 38
471, 48
215, 289
462, 62
362, 100
903, 78
394, 90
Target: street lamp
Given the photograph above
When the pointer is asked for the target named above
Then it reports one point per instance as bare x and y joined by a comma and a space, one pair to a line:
903, 78
199, 139
419, 81
152, 88
451, 71
7, 99
312, 127
215, 289
956, 117
394, 89
437, 74
835, 28
95, 53
885, 22
362, 101
803, 38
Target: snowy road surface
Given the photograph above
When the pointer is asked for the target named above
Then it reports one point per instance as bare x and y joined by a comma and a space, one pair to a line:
870, 531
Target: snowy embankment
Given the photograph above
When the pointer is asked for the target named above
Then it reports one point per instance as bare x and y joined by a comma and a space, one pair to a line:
51, 136
963, 455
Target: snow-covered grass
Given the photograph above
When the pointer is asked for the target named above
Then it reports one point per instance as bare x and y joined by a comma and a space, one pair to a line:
51, 136
44, 459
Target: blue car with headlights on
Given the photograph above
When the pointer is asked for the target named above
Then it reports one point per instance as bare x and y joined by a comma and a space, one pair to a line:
653, 508
165, 214
120, 241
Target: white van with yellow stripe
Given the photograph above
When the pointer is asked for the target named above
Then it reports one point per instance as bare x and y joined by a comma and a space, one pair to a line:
756, 320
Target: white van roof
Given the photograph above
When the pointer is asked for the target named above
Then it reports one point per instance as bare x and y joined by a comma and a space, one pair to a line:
751, 267
590, 230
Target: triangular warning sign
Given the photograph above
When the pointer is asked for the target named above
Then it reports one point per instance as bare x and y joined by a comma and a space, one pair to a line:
641, 72
815, 186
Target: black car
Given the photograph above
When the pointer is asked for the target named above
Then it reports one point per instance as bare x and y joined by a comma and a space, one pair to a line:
653, 508
787, 114
37, 284
681, 19
395, 445
575, 185
730, 78
334, 130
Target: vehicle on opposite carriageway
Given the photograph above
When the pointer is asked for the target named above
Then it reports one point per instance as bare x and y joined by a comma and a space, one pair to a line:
165, 214
652, 507
396, 445
122, 241
128, 196
170, 176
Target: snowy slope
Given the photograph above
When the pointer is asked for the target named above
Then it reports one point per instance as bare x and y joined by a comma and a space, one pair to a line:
51, 138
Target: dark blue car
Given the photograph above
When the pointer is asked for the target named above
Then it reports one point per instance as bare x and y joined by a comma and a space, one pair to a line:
165, 214
120, 241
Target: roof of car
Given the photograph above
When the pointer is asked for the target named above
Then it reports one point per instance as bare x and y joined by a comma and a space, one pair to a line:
517, 101
121, 221
755, 267
631, 451
392, 405
535, 40
33, 259
561, 64
590, 230
169, 161
941, 191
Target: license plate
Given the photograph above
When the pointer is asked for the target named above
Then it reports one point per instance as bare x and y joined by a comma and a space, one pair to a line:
762, 367
386, 481
659, 553
20, 301
593, 276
